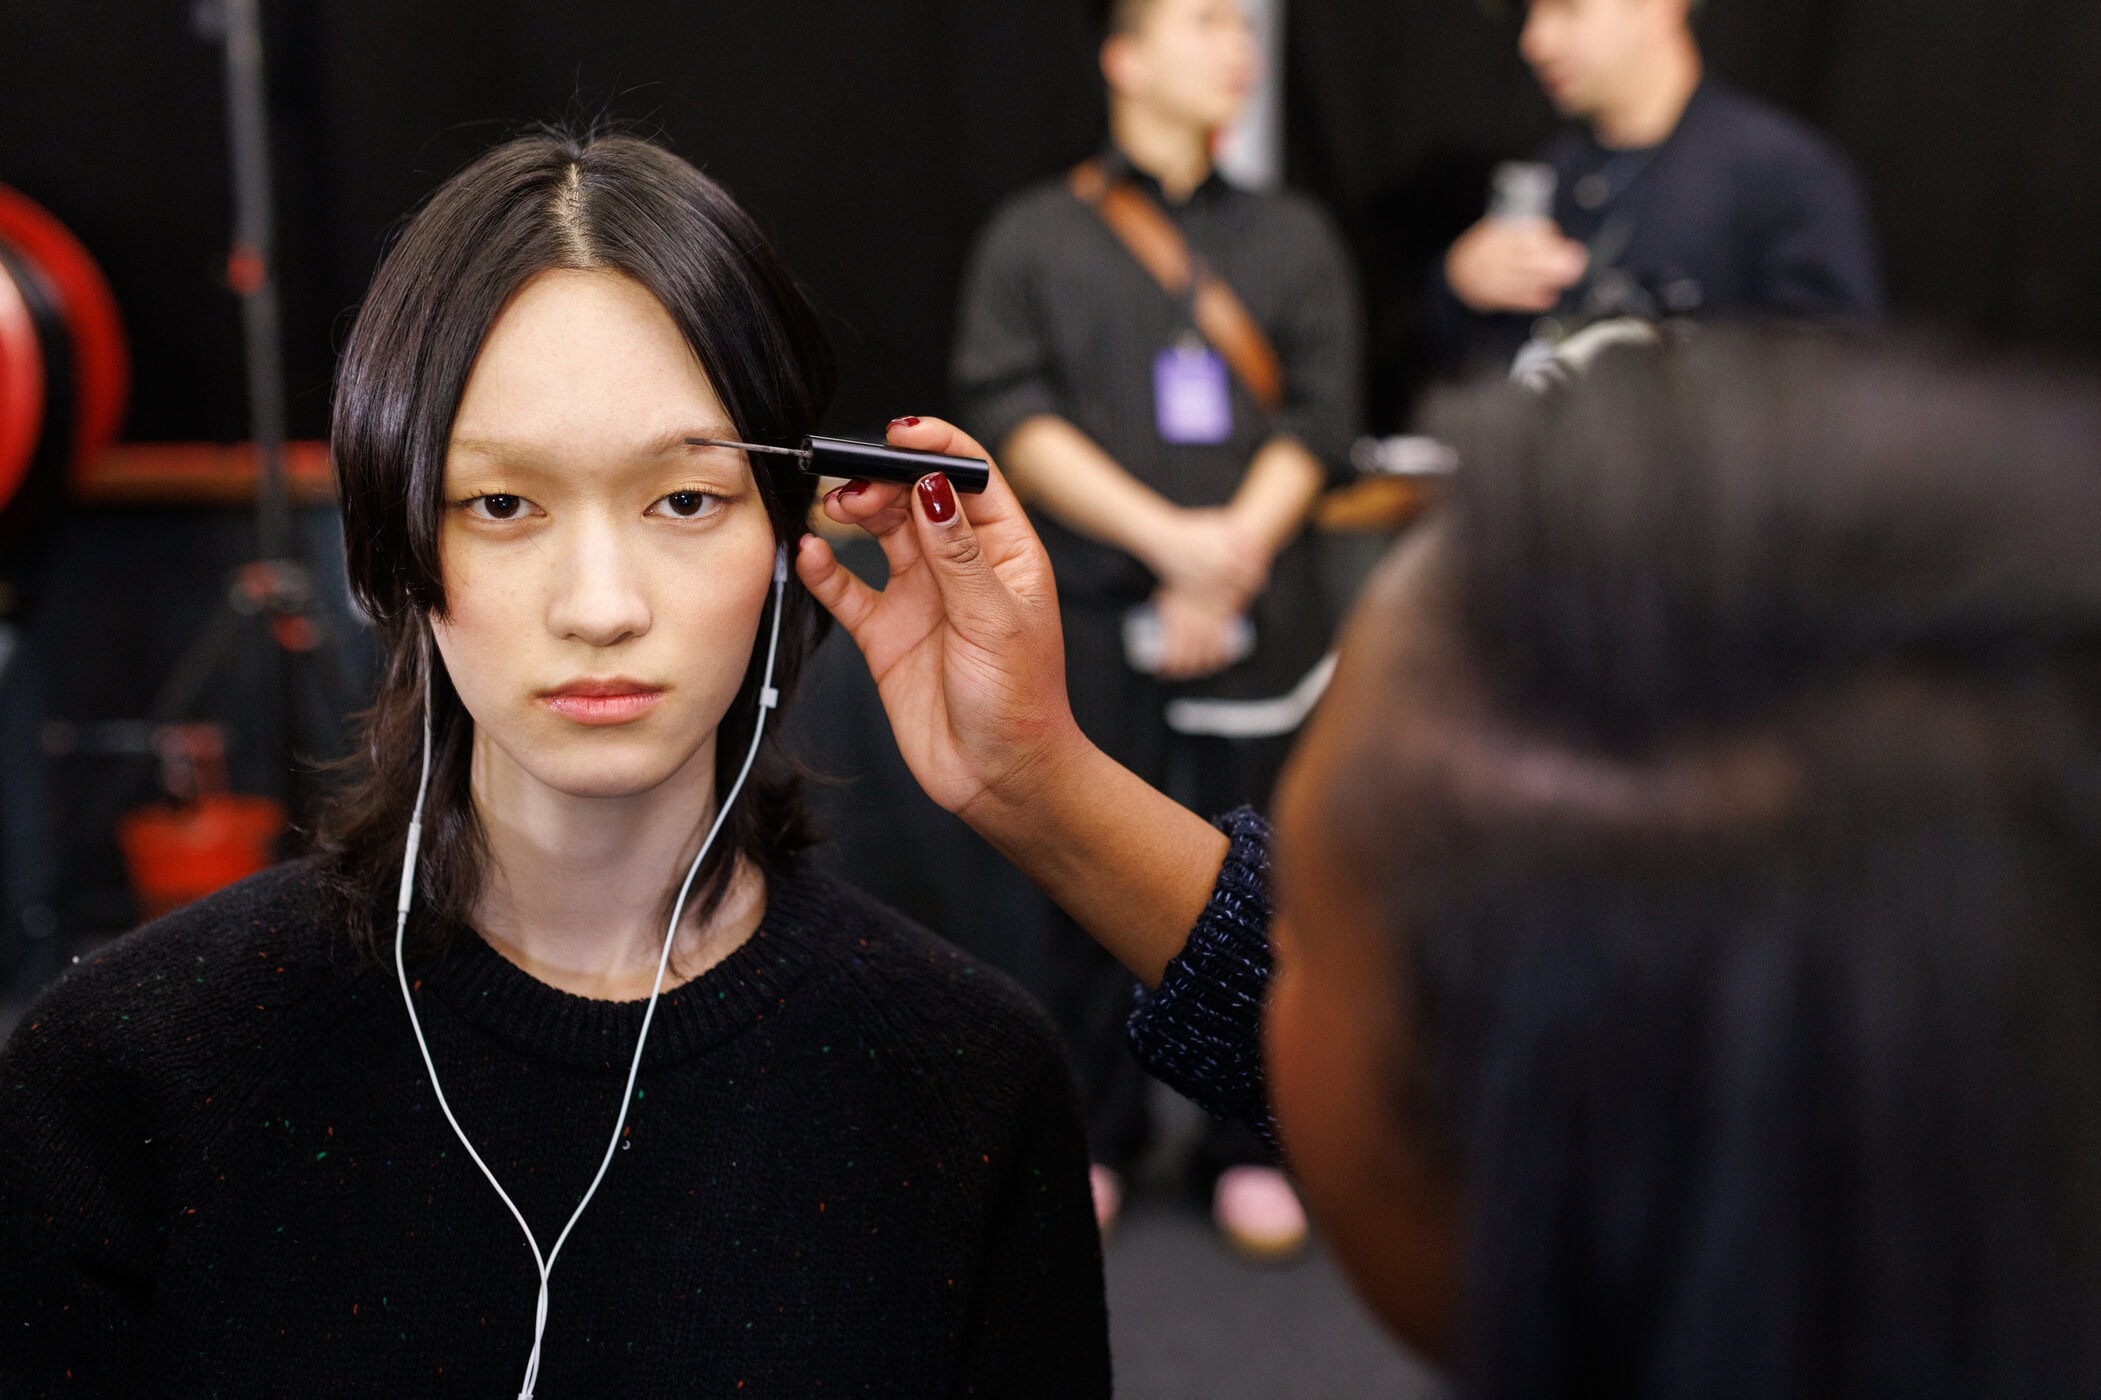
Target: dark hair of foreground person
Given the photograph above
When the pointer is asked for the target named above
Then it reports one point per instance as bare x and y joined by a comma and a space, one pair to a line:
553, 199
1724, 779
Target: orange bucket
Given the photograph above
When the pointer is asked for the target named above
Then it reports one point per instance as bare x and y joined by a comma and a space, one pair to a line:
178, 854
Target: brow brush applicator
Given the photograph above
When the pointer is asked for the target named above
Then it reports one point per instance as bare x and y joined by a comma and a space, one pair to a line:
870, 461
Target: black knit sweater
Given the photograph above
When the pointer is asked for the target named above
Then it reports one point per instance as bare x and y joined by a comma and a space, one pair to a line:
854, 1167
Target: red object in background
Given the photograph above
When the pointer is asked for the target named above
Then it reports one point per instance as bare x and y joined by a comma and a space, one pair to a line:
21, 387
103, 471
179, 853
101, 356
245, 272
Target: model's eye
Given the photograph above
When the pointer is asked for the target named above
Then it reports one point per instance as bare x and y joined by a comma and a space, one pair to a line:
686, 505
498, 506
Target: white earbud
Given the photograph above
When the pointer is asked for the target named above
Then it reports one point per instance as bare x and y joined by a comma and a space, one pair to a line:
769, 699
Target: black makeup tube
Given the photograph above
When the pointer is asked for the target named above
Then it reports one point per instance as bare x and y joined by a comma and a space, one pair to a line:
875, 461
871, 461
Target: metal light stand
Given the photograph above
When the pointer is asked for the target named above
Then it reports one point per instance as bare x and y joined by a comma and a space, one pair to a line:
251, 270
277, 586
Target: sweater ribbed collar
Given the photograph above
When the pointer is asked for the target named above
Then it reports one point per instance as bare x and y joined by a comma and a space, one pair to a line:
545, 1023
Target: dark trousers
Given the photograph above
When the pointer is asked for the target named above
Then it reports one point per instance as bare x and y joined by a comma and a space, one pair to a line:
1088, 992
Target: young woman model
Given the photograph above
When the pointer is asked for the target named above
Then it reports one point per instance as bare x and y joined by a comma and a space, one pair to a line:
1686, 977
846, 1160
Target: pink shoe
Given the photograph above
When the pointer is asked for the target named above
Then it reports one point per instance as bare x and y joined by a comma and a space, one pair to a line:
1259, 1214
1108, 1197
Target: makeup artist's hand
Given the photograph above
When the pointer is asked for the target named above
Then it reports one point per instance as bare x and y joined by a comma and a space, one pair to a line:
967, 654
963, 642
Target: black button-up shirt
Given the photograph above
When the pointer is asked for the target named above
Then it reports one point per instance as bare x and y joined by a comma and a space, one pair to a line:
1058, 318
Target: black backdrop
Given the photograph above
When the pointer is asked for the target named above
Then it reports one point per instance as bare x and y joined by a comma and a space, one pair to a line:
871, 136
868, 138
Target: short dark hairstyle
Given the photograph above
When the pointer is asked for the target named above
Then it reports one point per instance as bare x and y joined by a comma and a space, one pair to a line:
1753, 926
586, 200
1121, 16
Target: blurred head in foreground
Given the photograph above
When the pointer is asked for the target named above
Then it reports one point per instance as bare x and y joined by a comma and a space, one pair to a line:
1690, 980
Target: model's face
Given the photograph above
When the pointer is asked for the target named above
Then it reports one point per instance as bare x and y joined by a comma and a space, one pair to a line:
603, 581
1338, 1033
1584, 51
1195, 60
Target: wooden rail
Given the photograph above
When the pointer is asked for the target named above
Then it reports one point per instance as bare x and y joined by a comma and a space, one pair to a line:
197, 473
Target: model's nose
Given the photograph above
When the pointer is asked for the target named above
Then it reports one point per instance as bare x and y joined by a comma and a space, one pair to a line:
597, 595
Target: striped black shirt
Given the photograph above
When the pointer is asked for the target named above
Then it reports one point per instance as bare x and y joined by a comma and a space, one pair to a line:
1058, 318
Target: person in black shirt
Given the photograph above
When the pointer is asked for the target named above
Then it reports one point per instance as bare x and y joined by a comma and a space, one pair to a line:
844, 1158
1070, 358
1679, 196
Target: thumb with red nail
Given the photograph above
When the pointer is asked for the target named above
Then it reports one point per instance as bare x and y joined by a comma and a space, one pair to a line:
938, 498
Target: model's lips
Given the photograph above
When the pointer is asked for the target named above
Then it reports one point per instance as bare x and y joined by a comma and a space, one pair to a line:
615, 701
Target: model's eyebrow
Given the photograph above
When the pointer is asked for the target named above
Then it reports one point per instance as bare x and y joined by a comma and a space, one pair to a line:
678, 439
524, 452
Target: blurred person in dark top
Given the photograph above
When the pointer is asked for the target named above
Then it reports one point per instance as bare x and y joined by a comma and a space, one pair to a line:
1676, 196
1083, 370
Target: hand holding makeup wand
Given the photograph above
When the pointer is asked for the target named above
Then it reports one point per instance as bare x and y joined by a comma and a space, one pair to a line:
967, 654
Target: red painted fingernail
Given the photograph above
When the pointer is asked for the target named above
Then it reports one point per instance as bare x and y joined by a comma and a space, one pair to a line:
939, 498
904, 422
853, 488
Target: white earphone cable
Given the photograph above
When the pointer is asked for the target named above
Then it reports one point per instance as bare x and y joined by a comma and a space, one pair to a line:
769, 698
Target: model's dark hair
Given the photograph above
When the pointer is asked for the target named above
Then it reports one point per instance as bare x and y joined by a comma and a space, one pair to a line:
569, 200
1750, 903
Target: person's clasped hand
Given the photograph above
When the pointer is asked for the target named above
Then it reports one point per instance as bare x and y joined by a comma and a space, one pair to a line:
1208, 550
1514, 265
1211, 566
1197, 632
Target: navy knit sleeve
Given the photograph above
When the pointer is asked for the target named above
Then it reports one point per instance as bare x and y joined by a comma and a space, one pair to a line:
1200, 1031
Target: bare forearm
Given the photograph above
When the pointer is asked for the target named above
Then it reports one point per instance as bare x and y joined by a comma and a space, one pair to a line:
1278, 493
1054, 465
1129, 864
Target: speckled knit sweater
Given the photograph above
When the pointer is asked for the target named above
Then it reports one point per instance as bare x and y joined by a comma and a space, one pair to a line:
854, 1167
